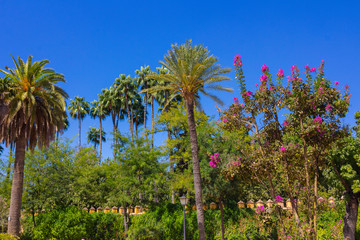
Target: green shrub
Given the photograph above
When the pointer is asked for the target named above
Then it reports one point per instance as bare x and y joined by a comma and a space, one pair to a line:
5, 236
71, 223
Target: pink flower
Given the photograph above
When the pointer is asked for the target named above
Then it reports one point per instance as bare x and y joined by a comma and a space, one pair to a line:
264, 68
285, 123
260, 89
212, 164
237, 60
336, 83
279, 199
321, 67
313, 70
236, 100
242, 105
272, 87
260, 209
307, 68
294, 68
328, 107
280, 73
256, 85
282, 149
263, 78
318, 119
224, 120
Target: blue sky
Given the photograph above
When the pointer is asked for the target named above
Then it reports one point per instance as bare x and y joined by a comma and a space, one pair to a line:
92, 42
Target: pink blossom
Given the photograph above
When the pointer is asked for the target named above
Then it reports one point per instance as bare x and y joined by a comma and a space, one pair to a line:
280, 73
336, 83
264, 68
328, 107
256, 85
236, 100
242, 105
272, 87
318, 119
278, 199
321, 67
294, 68
307, 68
263, 78
282, 149
212, 164
313, 70
285, 123
260, 89
260, 209
237, 60
224, 120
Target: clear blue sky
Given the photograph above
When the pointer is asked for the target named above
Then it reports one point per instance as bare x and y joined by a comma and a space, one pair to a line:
92, 42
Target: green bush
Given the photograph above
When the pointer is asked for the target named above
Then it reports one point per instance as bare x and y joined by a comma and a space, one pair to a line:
5, 236
71, 223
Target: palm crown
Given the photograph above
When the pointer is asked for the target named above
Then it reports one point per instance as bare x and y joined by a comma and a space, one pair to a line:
31, 102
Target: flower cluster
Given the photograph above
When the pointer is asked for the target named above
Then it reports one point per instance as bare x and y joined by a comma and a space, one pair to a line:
328, 107
279, 199
214, 160
236, 100
260, 209
224, 120
237, 60
263, 78
318, 119
282, 149
247, 94
280, 73
285, 123
264, 68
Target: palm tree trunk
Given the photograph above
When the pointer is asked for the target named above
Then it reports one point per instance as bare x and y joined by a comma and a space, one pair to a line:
145, 107
79, 133
8, 170
100, 143
152, 121
196, 169
17, 186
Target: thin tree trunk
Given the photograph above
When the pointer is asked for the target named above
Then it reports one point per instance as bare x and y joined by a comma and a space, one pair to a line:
350, 218
79, 132
100, 143
125, 222
152, 121
145, 107
315, 201
222, 221
196, 169
17, 186
171, 169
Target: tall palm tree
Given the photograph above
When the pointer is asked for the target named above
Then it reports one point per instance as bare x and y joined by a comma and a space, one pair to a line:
192, 70
32, 110
143, 82
94, 135
79, 108
114, 103
98, 110
127, 89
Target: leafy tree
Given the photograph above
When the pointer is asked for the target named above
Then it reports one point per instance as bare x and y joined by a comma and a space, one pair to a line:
98, 110
313, 109
33, 109
79, 108
192, 70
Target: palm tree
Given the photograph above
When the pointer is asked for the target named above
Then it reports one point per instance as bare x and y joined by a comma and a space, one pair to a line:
114, 104
98, 110
192, 70
143, 82
95, 136
127, 90
32, 110
79, 108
